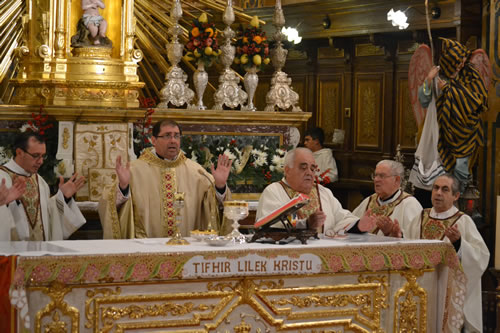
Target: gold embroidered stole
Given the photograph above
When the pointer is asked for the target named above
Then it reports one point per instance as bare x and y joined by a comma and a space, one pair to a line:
433, 228
31, 203
384, 210
308, 209
168, 184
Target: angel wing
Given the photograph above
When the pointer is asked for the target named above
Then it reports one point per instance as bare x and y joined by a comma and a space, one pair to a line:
482, 63
420, 65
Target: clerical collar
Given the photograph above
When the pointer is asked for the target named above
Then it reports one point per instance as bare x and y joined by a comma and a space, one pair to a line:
392, 198
14, 167
444, 215
166, 159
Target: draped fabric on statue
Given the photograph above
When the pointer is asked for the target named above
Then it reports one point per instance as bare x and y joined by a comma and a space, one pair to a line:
459, 107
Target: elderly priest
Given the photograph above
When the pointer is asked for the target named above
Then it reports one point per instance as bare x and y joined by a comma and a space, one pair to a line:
141, 203
445, 221
389, 203
323, 209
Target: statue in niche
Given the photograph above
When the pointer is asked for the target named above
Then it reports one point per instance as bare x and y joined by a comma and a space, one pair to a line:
91, 29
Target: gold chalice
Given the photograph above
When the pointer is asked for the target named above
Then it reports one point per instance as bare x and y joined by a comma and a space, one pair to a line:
236, 210
177, 239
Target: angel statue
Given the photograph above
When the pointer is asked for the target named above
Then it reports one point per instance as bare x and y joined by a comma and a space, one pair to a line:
448, 99
91, 29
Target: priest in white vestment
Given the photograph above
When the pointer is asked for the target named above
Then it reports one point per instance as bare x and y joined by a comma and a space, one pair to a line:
444, 221
327, 167
141, 203
322, 211
7, 195
34, 215
389, 200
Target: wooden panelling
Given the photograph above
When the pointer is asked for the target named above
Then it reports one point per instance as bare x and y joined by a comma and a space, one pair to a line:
330, 103
261, 92
299, 86
407, 126
368, 114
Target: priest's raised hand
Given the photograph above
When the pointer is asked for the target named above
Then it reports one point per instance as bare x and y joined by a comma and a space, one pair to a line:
7, 195
123, 172
72, 186
221, 172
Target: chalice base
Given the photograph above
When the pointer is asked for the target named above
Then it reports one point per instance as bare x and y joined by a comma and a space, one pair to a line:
177, 241
237, 237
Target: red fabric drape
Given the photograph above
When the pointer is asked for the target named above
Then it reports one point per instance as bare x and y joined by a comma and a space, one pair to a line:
7, 312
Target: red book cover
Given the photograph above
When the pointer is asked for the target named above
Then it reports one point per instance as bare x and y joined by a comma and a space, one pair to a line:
288, 208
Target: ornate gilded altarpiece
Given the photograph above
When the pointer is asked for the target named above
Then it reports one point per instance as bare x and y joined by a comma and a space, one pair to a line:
102, 286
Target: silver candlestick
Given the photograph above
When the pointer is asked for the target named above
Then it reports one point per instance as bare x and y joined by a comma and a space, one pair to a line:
281, 94
175, 91
229, 92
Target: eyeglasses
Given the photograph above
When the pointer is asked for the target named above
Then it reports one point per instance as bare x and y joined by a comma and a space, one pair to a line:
36, 156
380, 175
169, 136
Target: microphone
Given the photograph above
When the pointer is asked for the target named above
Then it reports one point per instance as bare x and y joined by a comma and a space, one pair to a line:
214, 211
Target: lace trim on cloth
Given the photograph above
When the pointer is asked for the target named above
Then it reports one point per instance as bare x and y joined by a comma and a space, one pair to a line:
115, 221
308, 209
433, 228
384, 210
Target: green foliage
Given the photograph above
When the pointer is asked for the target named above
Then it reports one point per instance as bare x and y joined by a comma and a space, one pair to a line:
257, 160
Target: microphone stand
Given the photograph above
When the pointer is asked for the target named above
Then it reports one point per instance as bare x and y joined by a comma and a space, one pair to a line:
214, 209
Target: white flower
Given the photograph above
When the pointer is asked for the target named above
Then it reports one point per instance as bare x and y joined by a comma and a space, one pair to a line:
194, 157
229, 154
278, 161
26, 126
280, 152
4, 157
260, 157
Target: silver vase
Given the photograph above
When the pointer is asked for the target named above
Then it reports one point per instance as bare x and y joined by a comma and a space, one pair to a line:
251, 80
200, 79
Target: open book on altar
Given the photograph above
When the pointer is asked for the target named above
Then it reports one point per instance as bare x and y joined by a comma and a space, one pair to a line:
282, 212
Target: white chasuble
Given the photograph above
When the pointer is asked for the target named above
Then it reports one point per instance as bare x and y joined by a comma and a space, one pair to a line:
402, 206
473, 254
37, 215
337, 218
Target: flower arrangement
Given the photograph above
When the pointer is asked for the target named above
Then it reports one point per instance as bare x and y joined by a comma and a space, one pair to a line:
257, 161
202, 45
252, 46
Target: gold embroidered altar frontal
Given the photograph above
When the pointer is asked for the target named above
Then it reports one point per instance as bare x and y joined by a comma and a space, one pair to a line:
354, 285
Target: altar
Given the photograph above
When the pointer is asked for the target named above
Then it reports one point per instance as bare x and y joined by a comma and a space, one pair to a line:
362, 283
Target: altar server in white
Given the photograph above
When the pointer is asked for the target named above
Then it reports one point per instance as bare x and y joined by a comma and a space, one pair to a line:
323, 209
327, 167
444, 221
390, 204
36, 215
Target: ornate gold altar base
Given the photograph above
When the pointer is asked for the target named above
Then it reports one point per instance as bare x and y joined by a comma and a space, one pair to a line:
333, 286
